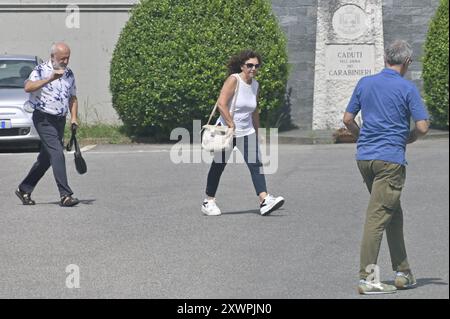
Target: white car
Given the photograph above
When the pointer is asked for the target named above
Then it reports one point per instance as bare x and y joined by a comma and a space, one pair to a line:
16, 124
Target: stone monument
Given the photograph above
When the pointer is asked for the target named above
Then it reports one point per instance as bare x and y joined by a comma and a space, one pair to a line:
349, 45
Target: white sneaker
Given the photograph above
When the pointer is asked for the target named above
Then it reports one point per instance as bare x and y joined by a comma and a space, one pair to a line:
210, 208
375, 288
271, 204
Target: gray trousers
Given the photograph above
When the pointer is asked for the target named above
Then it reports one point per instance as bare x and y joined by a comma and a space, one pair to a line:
51, 131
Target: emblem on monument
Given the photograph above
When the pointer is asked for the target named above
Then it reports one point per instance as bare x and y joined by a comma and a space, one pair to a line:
350, 21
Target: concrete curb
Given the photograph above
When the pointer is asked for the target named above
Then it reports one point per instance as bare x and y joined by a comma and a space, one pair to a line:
310, 137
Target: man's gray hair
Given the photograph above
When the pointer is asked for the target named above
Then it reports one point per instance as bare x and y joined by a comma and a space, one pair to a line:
55, 46
397, 52
53, 49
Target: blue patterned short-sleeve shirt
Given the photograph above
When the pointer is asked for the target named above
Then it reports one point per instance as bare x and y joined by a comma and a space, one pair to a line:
53, 98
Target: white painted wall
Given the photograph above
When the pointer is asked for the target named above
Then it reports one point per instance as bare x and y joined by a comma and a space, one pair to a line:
30, 27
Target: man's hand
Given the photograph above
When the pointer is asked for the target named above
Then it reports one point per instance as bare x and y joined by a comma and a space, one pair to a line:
419, 130
73, 107
352, 126
56, 75
74, 124
412, 137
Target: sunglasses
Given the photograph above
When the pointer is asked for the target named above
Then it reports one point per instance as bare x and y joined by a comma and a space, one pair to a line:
251, 65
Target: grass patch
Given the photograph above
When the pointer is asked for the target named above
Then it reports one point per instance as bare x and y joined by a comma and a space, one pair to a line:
98, 134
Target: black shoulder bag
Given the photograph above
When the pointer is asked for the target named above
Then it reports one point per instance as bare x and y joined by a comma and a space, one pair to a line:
80, 163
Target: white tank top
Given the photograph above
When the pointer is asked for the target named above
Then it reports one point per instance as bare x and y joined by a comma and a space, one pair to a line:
245, 106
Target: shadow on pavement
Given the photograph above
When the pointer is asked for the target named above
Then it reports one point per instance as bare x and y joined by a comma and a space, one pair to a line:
82, 202
254, 211
18, 150
19, 147
430, 281
425, 282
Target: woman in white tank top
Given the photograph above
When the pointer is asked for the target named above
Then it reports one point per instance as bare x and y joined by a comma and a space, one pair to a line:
245, 114
244, 121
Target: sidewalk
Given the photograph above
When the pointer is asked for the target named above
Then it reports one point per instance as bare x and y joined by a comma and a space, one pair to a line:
326, 136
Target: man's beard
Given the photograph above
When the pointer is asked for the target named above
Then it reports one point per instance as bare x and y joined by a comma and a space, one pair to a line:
59, 66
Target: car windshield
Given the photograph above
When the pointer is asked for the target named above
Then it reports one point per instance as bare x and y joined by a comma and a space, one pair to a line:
13, 73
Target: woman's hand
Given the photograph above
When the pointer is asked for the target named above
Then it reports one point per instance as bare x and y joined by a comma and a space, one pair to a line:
230, 132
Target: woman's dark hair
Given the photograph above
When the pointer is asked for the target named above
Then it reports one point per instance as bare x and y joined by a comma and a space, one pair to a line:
236, 61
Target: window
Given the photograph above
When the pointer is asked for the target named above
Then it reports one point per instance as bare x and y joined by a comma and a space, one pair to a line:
13, 73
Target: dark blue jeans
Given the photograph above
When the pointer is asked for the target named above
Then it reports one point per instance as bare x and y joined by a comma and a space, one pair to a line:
248, 146
51, 132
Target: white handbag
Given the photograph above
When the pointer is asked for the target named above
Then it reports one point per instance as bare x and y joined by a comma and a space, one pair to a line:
217, 138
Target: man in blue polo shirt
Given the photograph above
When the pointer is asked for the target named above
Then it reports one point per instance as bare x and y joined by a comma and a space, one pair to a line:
387, 103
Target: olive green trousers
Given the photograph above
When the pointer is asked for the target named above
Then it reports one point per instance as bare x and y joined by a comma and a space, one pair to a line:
385, 182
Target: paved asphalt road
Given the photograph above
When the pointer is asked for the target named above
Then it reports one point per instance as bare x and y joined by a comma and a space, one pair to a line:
139, 232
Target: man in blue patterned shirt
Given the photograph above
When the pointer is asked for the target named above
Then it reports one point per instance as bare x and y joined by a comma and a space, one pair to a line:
52, 94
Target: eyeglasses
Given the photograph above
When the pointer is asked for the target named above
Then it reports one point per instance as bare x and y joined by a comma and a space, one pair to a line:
251, 65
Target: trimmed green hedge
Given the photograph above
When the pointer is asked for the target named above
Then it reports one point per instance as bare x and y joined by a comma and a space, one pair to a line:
170, 61
435, 67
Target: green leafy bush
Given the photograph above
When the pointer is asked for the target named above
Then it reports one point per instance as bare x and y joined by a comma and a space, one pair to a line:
435, 67
170, 61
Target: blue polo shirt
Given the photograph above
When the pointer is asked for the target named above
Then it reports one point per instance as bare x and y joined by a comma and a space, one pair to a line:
387, 103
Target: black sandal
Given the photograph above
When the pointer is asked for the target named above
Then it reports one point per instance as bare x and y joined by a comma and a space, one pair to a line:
68, 201
25, 197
